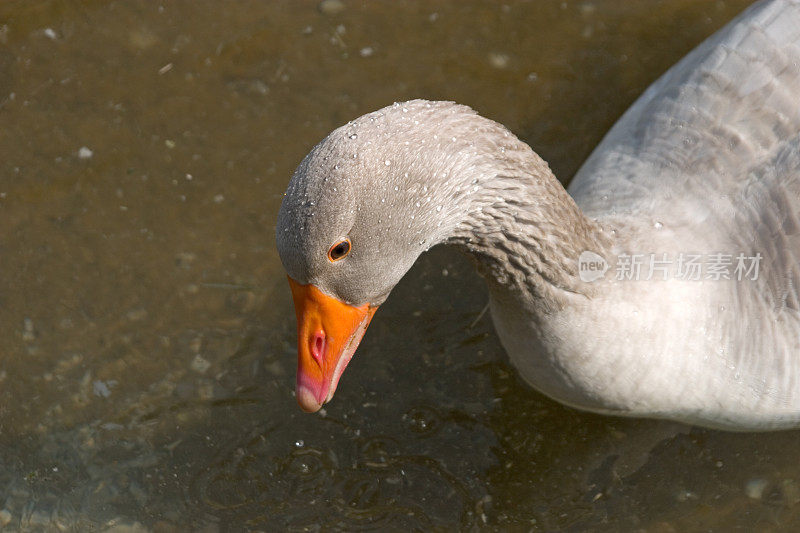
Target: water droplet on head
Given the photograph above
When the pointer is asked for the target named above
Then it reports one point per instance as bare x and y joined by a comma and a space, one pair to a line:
353, 136
387, 162
396, 188
658, 225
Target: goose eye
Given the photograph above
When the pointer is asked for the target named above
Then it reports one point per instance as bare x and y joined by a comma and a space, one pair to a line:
339, 250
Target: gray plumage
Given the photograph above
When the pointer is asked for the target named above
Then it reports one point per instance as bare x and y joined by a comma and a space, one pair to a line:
706, 161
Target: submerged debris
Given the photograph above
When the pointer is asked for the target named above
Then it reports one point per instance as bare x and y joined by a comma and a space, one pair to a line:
331, 7
200, 364
755, 488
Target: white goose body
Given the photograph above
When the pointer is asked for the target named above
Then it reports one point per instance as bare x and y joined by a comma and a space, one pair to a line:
706, 162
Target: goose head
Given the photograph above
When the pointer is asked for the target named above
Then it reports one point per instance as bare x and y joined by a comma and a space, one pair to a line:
365, 203
357, 213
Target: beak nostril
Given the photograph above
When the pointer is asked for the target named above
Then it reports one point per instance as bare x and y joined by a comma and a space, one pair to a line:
318, 347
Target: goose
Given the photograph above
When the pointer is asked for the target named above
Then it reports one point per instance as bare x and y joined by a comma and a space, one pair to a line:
665, 283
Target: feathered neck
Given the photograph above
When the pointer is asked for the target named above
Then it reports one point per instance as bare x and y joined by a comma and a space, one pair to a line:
523, 229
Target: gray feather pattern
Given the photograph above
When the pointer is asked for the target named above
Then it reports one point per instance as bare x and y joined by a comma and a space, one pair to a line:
706, 161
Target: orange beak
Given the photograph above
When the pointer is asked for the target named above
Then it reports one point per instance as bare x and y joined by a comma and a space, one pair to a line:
328, 333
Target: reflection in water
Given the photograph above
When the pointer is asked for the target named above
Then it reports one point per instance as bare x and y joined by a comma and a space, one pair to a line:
146, 333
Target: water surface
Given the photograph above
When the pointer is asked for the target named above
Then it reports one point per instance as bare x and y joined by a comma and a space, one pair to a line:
146, 331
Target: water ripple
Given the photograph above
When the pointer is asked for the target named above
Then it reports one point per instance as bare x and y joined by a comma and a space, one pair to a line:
374, 487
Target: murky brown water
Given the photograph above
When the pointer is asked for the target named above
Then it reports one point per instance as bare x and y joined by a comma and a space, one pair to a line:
147, 335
